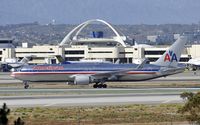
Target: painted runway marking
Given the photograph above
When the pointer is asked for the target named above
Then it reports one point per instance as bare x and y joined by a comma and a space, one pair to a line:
51, 104
167, 101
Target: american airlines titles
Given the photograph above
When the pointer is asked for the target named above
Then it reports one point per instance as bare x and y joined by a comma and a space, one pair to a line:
48, 68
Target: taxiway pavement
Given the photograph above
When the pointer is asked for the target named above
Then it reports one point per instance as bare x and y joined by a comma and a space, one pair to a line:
34, 101
92, 97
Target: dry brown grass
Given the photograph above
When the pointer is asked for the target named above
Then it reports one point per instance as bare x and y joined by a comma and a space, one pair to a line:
120, 115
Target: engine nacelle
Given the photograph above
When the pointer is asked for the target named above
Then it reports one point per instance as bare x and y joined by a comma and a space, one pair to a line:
82, 79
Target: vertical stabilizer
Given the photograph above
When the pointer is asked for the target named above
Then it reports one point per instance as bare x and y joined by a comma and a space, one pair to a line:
60, 59
172, 55
26, 59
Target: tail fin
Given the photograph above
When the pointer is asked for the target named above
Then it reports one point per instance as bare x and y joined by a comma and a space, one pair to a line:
172, 56
26, 59
60, 59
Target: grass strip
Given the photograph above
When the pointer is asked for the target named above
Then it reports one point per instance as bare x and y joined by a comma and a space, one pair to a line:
125, 114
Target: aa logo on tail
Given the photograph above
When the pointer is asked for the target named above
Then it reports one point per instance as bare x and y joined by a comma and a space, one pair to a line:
170, 56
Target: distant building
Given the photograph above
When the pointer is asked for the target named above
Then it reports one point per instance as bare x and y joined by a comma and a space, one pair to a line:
39, 52
176, 36
161, 39
152, 38
6, 49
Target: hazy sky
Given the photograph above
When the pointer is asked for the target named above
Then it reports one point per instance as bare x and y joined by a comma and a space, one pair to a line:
113, 11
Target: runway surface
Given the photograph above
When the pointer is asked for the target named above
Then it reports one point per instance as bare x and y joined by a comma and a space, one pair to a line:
90, 100
91, 97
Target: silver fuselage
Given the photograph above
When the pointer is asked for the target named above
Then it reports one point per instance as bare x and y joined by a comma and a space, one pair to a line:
64, 72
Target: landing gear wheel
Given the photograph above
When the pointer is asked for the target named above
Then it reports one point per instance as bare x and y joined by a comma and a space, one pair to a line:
26, 85
104, 86
95, 86
100, 86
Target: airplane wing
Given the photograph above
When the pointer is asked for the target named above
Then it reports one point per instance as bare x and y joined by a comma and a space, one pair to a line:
117, 73
171, 71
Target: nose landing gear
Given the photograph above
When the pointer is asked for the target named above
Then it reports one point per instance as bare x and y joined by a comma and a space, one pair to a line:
26, 85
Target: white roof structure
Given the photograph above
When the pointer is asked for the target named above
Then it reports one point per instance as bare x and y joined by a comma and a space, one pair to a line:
72, 36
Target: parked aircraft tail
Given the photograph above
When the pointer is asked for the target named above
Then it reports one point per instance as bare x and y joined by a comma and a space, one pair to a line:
60, 59
172, 56
26, 59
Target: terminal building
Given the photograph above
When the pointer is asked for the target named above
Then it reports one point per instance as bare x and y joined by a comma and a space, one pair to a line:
7, 49
97, 44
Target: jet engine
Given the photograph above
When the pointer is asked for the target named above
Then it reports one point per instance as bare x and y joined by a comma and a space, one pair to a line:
82, 80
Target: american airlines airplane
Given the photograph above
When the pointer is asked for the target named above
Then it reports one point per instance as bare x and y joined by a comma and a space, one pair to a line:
194, 64
100, 73
16, 64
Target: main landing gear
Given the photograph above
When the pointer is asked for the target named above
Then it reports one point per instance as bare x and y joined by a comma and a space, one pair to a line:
26, 85
96, 85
